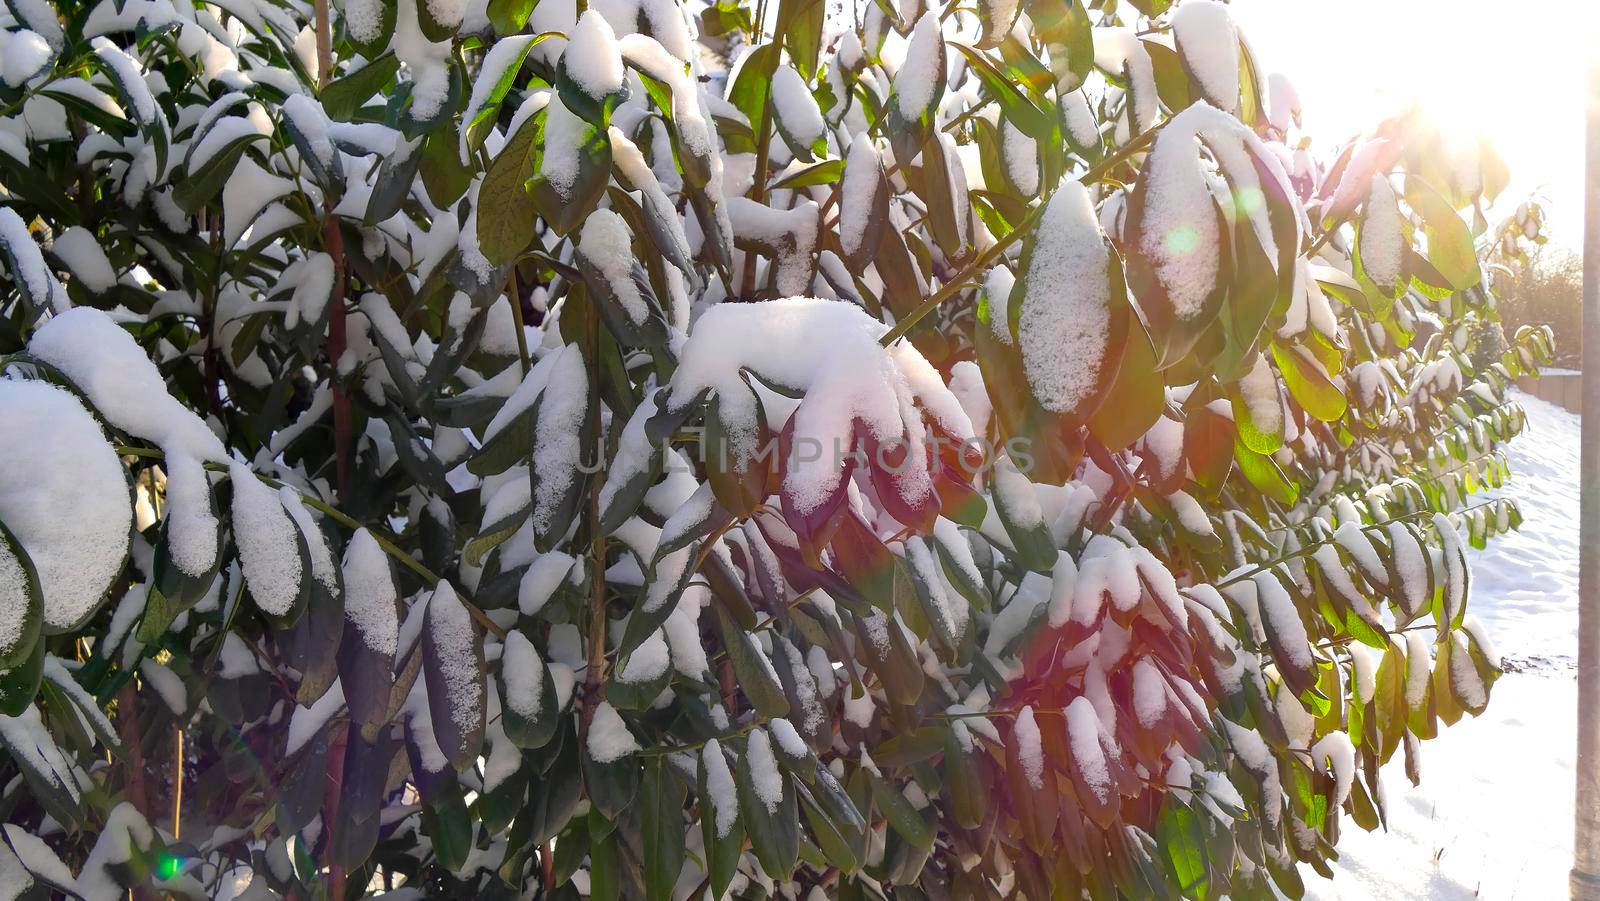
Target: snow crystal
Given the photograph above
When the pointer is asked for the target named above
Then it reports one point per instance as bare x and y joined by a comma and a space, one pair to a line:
1079, 120
592, 59
1381, 245
765, 777
918, 82
267, 544
236, 660
648, 661
192, 526
311, 120
523, 672
369, 594
795, 106
80, 250
997, 286
1064, 326
72, 517
720, 786
1464, 679
1191, 515
609, 738
1355, 542
1209, 45
607, 245
1030, 747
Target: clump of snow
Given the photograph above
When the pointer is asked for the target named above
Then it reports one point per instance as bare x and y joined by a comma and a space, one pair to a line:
523, 672
370, 593
1209, 44
80, 250
455, 642
1083, 734
426, 61
607, 245
558, 436
1120, 50
609, 738
268, 545
795, 106
648, 661
105, 363
564, 135
920, 81
1030, 747
857, 192
1381, 244
719, 784
765, 777
847, 379
1064, 326
72, 516
592, 59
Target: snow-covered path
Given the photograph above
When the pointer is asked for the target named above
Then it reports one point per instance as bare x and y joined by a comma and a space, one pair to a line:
1493, 816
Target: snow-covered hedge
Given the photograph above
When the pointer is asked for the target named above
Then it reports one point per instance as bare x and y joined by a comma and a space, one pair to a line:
653, 450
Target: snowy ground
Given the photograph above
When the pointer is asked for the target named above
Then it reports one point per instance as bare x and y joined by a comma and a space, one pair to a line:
1493, 816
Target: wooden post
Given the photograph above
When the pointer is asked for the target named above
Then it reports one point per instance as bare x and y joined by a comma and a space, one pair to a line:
1585, 878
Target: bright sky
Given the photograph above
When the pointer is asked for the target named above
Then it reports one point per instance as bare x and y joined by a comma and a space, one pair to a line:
1513, 70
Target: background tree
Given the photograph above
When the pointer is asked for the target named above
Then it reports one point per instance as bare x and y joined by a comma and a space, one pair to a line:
469, 445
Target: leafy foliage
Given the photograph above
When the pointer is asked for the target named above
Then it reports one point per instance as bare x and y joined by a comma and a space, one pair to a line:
985, 454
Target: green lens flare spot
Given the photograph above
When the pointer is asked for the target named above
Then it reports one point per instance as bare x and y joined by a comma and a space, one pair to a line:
168, 866
1248, 200
1183, 240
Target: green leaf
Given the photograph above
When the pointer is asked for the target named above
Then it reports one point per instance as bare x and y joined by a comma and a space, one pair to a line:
433, 28
343, 96
903, 818
774, 831
800, 25
509, 16
506, 214
723, 851
1450, 248
1023, 113
1181, 837
661, 814
753, 671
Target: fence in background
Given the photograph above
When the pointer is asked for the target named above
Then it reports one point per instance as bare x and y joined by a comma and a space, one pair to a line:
1562, 387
